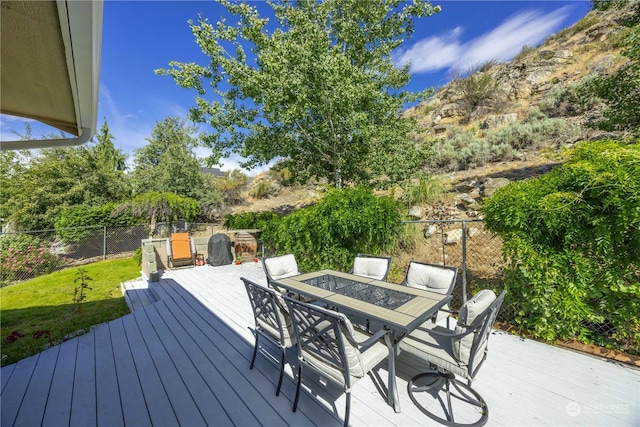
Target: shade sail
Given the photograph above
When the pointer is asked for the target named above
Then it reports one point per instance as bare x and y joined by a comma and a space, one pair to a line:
50, 66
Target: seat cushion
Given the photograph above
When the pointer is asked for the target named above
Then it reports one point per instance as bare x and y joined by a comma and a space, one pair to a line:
434, 349
359, 362
373, 268
282, 266
429, 277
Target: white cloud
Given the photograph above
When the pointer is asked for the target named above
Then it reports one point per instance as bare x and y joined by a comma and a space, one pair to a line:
501, 43
129, 130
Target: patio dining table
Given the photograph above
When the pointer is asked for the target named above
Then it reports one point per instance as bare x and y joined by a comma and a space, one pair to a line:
400, 309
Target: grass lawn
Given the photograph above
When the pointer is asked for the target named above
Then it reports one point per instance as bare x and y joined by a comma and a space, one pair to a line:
41, 311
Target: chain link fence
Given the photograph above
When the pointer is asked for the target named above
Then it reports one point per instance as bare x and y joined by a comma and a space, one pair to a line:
465, 244
28, 254
477, 253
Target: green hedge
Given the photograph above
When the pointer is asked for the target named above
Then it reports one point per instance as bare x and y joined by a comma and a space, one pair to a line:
572, 245
330, 233
74, 223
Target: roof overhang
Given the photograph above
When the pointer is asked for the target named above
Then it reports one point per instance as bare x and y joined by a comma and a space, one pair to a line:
50, 67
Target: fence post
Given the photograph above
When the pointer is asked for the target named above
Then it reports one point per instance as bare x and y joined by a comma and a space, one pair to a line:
104, 243
464, 261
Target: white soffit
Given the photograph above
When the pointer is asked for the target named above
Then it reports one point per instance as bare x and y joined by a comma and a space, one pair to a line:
50, 66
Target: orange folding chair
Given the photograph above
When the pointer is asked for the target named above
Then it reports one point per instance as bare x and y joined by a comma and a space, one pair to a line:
181, 250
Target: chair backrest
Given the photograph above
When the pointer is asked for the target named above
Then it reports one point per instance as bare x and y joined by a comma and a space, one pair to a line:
270, 313
475, 319
431, 277
280, 267
181, 246
326, 341
374, 267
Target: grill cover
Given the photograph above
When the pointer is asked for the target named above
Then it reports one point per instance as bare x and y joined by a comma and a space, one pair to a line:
219, 249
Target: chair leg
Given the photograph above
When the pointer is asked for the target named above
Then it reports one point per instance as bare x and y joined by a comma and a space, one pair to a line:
442, 382
255, 350
295, 401
281, 372
347, 410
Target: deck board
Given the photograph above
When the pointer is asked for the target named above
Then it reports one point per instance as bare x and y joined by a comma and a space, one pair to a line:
58, 410
186, 410
38, 390
14, 391
182, 358
83, 400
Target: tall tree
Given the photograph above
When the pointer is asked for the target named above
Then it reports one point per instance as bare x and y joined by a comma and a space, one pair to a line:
108, 156
167, 163
319, 89
38, 185
110, 163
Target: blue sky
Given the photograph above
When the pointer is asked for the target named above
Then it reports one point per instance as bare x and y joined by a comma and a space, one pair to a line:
142, 36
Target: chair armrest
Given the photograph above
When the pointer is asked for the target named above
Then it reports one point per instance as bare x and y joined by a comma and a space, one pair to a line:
364, 345
450, 335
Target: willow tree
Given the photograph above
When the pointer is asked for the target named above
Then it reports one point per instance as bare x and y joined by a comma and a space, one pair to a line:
317, 87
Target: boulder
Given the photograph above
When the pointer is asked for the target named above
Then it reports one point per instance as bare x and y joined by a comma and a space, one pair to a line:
453, 237
492, 185
430, 230
466, 202
415, 212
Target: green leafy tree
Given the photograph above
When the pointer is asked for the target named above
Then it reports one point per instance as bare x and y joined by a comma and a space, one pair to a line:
38, 185
167, 163
157, 207
42, 184
318, 89
572, 245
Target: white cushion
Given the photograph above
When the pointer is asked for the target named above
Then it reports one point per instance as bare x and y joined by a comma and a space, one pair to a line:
373, 268
429, 277
282, 266
473, 308
359, 362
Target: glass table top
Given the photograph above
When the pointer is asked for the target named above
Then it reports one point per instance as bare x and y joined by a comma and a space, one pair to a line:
383, 297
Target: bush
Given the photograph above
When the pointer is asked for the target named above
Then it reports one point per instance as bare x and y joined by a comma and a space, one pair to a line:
535, 132
330, 233
23, 257
249, 220
569, 100
137, 256
74, 223
426, 189
572, 245
525, 51
231, 185
264, 189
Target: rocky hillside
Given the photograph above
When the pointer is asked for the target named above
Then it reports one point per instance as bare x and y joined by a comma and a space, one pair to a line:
496, 96
588, 48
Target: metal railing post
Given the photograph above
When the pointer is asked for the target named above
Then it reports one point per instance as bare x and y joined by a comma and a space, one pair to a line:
104, 243
464, 261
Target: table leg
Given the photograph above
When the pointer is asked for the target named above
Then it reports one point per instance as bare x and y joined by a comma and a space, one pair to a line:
392, 389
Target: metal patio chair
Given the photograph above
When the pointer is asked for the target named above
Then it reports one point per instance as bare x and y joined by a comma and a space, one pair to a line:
454, 353
280, 267
371, 266
434, 278
329, 346
272, 321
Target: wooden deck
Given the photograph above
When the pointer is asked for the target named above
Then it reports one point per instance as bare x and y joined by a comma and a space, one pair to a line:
182, 358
